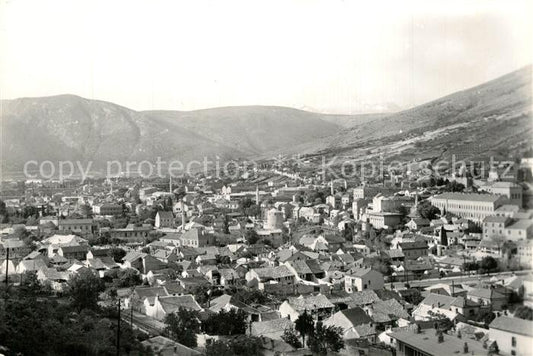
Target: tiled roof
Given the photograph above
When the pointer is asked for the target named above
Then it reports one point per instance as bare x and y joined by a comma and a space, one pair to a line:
394, 253
172, 303
365, 330
388, 310
165, 215
420, 244
133, 255
513, 325
356, 316
301, 267
496, 219
71, 249
273, 272
486, 293
310, 302
32, 265
468, 197
364, 297
97, 252
148, 292
271, 326
427, 342
228, 273
521, 225
438, 299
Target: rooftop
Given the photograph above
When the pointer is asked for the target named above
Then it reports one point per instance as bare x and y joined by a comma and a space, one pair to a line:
513, 325
488, 198
427, 342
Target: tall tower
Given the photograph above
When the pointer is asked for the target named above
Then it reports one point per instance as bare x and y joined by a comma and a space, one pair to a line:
331, 188
182, 215
170, 185
257, 194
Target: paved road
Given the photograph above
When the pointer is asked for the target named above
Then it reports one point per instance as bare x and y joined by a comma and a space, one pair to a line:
456, 279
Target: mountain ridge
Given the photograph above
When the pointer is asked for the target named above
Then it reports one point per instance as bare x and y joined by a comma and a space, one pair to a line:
70, 127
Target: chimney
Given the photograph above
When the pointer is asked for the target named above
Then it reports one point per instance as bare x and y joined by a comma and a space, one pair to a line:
440, 337
465, 348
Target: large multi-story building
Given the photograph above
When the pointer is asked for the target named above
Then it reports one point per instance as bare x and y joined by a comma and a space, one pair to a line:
380, 220
475, 207
274, 219
381, 203
107, 209
524, 253
80, 226
505, 227
369, 192
512, 191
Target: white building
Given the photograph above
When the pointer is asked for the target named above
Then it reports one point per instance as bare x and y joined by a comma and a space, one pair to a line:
514, 336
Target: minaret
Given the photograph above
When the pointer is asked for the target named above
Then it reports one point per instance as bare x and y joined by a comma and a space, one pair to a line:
111, 191
345, 184
170, 185
257, 194
416, 199
182, 216
331, 187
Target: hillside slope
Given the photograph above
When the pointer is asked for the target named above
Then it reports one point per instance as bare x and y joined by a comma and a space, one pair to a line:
251, 129
68, 127
493, 118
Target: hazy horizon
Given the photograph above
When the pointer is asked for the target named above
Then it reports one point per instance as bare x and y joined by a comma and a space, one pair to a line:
337, 57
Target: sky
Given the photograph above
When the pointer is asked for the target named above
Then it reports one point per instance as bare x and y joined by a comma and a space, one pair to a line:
329, 56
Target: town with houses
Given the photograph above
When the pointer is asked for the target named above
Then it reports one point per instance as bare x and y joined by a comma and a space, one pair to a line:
274, 261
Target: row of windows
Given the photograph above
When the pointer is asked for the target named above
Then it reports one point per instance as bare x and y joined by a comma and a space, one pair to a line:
75, 227
464, 206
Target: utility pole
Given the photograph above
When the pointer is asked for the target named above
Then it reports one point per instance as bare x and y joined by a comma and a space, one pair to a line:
7, 272
131, 316
131, 307
118, 329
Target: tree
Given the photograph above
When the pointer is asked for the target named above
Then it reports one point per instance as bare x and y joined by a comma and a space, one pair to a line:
304, 325
56, 329
117, 254
30, 286
455, 187
231, 322
326, 338
382, 266
470, 266
86, 211
254, 210
428, 211
225, 228
242, 345
3, 210
84, 289
488, 263
251, 236
127, 278
524, 312
290, 337
218, 348
183, 326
